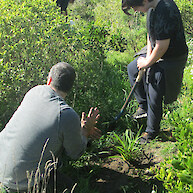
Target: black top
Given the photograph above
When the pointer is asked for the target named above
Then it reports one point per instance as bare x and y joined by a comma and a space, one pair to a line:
63, 4
165, 23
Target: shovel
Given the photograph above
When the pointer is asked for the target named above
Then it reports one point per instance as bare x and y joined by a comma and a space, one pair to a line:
122, 111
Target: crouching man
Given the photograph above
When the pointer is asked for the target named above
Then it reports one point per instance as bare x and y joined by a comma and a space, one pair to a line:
43, 119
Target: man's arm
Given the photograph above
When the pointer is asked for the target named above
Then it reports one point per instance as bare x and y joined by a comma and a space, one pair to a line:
149, 48
75, 134
70, 134
159, 50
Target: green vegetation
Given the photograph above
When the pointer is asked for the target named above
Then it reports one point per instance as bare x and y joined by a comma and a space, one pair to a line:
127, 146
34, 36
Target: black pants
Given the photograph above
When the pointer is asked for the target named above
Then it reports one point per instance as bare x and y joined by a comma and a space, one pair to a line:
149, 93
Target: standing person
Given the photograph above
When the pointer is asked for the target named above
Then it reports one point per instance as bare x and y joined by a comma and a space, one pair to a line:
164, 61
43, 116
63, 4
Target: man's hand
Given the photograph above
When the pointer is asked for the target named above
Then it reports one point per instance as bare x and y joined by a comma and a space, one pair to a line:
153, 56
88, 124
142, 63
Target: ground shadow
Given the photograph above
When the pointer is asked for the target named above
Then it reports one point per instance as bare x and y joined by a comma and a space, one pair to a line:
106, 180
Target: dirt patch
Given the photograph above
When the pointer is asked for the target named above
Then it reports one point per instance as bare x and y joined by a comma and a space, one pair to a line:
118, 176
109, 174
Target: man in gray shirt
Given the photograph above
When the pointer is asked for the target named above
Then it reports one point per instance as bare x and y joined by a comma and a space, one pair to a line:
44, 120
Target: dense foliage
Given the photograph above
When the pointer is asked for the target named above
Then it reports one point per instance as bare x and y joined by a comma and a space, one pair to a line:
34, 36
185, 7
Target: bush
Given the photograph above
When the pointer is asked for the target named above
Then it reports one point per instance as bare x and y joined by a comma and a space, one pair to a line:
186, 8
34, 36
31, 33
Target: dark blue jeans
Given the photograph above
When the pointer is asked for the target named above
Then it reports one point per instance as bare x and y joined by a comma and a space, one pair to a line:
149, 94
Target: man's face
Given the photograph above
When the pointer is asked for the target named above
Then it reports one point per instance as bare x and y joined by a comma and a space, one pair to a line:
143, 8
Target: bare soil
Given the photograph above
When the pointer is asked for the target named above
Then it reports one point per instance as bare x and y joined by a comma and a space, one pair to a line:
114, 175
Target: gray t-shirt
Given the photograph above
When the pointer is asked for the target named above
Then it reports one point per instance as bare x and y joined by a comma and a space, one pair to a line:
43, 116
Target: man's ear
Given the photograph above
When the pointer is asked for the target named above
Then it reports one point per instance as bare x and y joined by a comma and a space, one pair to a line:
49, 80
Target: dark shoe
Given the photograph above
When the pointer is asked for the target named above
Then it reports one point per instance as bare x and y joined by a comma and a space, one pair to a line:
140, 113
146, 138
166, 135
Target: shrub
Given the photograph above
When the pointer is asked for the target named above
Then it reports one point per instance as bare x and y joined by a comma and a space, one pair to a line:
186, 8
31, 33
34, 36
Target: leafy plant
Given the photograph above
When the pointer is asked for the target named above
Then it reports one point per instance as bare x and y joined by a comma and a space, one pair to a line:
127, 145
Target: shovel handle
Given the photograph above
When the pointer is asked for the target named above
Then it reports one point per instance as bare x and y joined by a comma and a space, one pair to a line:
140, 75
138, 79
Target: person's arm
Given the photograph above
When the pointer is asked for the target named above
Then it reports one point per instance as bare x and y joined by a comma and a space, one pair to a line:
159, 50
149, 48
75, 134
70, 134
